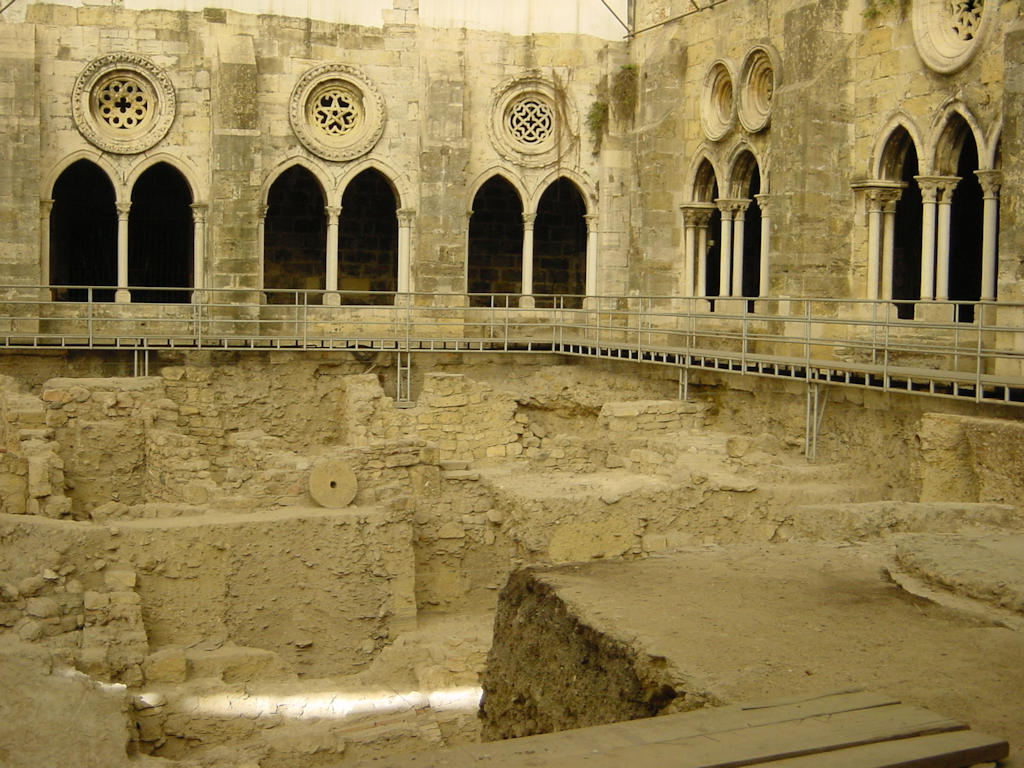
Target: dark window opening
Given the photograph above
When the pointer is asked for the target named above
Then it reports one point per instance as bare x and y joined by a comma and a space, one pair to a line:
713, 256
295, 238
965, 237
495, 260
160, 236
906, 258
368, 240
83, 233
752, 241
560, 244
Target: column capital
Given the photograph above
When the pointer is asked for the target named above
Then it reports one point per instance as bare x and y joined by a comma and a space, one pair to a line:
990, 181
529, 219
123, 209
406, 216
591, 219
697, 214
263, 211
199, 211
45, 206
934, 187
880, 192
332, 211
731, 205
764, 200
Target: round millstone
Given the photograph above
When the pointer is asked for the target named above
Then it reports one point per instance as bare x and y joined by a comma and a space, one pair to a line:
332, 484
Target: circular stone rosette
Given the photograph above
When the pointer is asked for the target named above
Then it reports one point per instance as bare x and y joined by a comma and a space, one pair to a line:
528, 124
718, 104
759, 78
337, 112
123, 103
948, 33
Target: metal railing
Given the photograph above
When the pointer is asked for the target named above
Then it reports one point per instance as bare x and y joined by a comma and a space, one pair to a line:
954, 349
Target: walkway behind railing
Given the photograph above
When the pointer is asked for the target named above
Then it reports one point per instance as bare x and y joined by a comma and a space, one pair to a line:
847, 342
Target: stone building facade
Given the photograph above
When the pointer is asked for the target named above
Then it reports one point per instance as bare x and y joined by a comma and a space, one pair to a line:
721, 147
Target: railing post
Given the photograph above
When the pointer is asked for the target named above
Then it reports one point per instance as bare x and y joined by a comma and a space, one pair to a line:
305, 317
88, 299
807, 339
979, 313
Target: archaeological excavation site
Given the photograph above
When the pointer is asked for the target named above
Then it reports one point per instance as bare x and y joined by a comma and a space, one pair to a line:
432, 383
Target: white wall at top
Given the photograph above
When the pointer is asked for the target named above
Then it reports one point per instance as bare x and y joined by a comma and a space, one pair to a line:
523, 17
518, 17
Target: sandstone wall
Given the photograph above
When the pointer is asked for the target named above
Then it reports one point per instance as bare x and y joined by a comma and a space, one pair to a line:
323, 590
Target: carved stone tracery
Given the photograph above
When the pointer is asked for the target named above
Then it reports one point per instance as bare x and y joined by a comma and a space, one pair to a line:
123, 103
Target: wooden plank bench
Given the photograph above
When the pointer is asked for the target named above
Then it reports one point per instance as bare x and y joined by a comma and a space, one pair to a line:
853, 729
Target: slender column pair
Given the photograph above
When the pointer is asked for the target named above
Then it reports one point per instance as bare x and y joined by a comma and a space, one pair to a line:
695, 255
881, 200
730, 276
937, 201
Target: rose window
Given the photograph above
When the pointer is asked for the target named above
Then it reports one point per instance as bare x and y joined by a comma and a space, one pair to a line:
966, 17
336, 110
948, 33
122, 102
531, 121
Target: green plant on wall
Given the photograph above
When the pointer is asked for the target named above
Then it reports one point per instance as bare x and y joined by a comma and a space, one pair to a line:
624, 90
597, 122
874, 8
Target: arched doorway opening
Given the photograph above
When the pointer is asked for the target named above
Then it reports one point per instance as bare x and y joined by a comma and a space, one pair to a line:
560, 243
83, 233
748, 183
966, 225
902, 164
295, 238
706, 191
368, 240
160, 236
494, 263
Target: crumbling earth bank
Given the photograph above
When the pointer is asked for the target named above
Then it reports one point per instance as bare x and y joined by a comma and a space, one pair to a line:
550, 671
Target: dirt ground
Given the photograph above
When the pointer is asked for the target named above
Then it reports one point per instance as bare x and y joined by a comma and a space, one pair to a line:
745, 623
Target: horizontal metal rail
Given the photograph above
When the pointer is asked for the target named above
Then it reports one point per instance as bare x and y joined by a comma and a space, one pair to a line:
964, 350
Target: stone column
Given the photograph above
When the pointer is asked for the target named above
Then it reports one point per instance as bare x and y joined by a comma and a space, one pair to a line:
888, 200
592, 233
122, 295
332, 297
198, 252
406, 216
261, 250
725, 248
738, 234
874, 242
763, 284
695, 218
929, 195
990, 184
526, 299
943, 236
45, 209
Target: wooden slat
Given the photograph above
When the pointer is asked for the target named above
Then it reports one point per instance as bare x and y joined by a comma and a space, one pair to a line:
957, 749
768, 743
806, 729
708, 721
